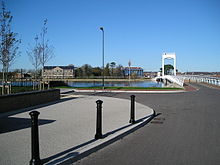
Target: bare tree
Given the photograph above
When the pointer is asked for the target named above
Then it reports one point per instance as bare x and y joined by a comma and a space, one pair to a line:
34, 57
34, 54
46, 50
9, 43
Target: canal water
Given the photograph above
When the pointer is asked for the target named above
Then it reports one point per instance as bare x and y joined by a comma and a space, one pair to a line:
147, 83
115, 84
22, 83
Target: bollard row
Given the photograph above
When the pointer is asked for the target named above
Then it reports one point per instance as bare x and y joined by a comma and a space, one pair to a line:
35, 155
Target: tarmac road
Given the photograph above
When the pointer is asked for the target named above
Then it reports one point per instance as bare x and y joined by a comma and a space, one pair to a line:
186, 132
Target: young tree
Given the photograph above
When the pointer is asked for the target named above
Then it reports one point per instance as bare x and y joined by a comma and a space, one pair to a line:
34, 54
34, 57
46, 50
8, 42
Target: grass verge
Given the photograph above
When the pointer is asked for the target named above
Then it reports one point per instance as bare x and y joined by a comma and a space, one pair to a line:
122, 88
18, 89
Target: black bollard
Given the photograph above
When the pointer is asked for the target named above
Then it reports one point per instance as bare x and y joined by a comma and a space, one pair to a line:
132, 120
35, 155
98, 134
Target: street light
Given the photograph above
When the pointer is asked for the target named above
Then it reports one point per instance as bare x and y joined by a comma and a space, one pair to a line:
129, 71
103, 83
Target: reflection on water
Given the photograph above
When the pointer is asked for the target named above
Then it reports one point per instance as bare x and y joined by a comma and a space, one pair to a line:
116, 84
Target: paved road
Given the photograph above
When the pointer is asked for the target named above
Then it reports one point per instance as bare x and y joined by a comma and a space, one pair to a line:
187, 132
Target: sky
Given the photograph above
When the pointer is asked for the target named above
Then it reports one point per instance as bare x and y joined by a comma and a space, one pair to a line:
135, 30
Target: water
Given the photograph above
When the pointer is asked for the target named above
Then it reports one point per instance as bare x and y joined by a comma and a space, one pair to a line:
99, 84
115, 84
22, 83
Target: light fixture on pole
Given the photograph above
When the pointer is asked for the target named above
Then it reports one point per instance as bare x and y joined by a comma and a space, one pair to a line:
103, 76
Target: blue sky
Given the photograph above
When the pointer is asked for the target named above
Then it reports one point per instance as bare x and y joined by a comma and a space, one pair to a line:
136, 30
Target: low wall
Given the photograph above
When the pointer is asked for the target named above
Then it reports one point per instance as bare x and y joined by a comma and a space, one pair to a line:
27, 99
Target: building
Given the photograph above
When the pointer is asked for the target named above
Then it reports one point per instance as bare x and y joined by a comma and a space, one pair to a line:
59, 71
21, 75
133, 71
150, 74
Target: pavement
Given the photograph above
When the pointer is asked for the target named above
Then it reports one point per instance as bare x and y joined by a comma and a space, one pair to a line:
67, 128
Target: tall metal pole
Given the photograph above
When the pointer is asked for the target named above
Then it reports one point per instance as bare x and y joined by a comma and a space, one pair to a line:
103, 76
129, 71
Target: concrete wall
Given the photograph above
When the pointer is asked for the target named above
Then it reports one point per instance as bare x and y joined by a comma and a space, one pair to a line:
23, 100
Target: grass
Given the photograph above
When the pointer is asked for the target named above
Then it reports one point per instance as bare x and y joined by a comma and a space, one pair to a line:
122, 88
18, 89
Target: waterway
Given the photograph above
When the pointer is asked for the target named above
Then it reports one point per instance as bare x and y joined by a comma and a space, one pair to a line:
146, 83
116, 84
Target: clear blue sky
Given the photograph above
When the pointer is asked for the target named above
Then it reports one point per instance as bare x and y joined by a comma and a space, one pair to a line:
136, 30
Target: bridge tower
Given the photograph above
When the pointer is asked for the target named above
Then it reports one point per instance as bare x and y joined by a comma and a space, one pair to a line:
169, 56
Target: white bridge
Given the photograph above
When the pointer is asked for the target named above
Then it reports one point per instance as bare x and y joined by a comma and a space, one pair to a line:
170, 79
179, 80
174, 80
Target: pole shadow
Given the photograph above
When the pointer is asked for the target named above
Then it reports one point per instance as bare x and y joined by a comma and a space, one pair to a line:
56, 158
75, 156
119, 129
10, 124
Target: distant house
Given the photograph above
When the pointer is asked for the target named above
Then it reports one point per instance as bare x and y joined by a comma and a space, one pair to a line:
150, 74
22, 75
59, 72
133, 71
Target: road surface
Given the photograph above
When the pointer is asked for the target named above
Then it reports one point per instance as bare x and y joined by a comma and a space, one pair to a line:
185, 132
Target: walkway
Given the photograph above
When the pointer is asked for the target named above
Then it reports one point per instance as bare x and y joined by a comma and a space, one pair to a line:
67, 128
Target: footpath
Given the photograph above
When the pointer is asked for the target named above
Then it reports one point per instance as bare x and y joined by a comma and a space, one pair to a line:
67, 129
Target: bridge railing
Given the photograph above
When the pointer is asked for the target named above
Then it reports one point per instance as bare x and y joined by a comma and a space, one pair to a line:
205, 79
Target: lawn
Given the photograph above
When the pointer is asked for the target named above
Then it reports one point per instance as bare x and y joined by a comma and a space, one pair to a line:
122, 88
18, 89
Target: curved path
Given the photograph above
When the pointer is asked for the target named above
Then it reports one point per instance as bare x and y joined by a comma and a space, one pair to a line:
67, 128
187, 131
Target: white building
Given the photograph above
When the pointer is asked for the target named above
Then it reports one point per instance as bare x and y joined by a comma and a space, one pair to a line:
59, 72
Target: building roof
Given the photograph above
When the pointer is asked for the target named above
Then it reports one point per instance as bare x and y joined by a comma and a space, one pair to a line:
134, 68
62, 67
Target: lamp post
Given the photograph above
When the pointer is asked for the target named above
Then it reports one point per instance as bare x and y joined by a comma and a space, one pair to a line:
103, 83
129, 71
